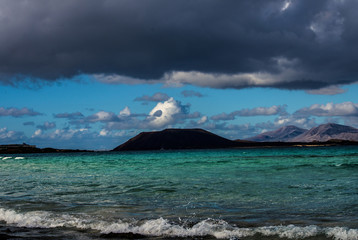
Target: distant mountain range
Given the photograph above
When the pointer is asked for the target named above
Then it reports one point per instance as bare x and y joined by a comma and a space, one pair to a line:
328, 132
283, 134
322, 133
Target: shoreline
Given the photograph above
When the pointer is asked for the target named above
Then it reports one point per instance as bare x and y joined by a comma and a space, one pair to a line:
241, 145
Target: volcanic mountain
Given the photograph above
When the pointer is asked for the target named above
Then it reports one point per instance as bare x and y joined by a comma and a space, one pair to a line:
283, 134
201, 139
326, 132
176, 139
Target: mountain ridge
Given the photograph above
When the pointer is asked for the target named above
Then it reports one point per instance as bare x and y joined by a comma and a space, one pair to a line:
321, 133
328, 131
279, 135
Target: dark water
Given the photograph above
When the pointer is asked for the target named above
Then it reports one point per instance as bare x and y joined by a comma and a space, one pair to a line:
286, 193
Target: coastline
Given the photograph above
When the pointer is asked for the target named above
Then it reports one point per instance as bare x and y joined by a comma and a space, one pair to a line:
23, 149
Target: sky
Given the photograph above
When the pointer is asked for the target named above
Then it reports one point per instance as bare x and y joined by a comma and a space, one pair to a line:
90, 74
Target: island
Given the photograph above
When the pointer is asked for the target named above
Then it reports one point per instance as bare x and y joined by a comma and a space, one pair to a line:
26, 148
171, 139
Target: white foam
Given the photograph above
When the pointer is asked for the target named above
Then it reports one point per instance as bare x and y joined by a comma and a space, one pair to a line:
341, 233
4, 158
30, 219
290, 231
162, 227
18, 158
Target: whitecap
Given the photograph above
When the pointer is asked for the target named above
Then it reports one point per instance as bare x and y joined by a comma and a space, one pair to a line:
18, 158
164, 228
342, 233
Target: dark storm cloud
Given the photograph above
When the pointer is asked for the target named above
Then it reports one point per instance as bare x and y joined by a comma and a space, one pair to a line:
221, 44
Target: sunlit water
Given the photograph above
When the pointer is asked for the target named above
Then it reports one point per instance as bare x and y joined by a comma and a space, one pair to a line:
272, 193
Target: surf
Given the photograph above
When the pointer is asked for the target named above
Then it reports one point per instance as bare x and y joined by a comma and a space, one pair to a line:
161, 227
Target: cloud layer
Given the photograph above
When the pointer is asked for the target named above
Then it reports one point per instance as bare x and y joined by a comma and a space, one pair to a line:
345, 109
258, 111
157, 97
219, 44
16, 112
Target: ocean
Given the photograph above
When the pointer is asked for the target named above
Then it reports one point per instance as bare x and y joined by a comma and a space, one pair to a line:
271, 193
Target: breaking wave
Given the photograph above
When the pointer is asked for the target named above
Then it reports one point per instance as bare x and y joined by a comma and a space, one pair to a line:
164, 228
16, 158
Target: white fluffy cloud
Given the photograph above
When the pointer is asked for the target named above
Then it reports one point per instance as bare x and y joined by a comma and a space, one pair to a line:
79, 138
8, 136
330, 109
125, 112
37, 133
102, 116
108, 133
60, 134
202, 120
302, 122
164, 113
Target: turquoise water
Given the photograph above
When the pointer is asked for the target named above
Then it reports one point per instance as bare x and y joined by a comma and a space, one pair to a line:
272, 193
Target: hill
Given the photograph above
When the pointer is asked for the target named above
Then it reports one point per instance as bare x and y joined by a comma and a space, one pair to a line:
283, 134
322, 133
326, 132
25, 148
176, 139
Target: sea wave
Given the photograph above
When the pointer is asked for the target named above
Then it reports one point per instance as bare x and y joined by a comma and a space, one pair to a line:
16, 158
345, 165
164, 228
